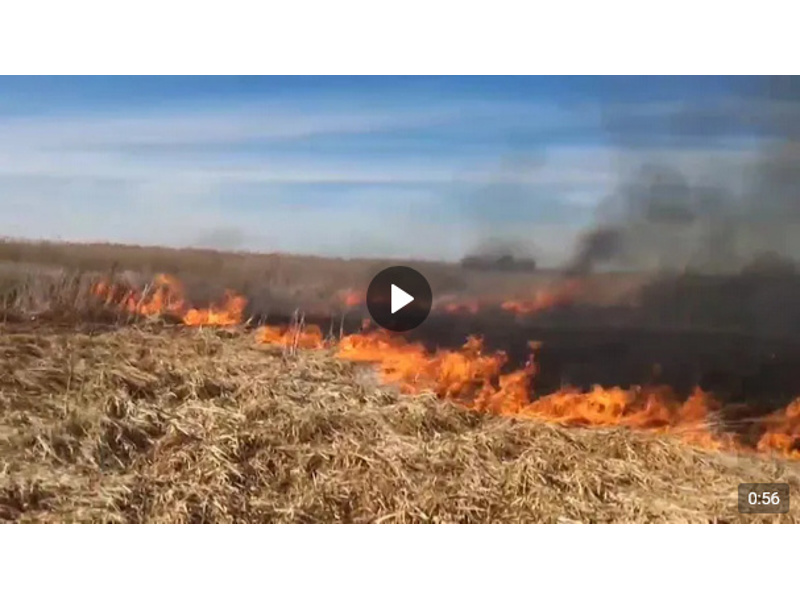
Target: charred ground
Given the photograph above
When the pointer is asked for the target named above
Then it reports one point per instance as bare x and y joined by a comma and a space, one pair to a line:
736, 336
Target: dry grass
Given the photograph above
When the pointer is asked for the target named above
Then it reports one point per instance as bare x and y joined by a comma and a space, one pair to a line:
248, 273
270, 281
159, 424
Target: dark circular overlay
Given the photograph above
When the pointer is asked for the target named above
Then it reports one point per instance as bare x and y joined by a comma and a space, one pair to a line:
379, 299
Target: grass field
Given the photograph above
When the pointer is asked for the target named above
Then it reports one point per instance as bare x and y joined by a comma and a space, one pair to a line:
156, 424
270, 281
111, 419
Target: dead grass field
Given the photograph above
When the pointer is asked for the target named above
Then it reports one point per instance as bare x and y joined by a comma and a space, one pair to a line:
269, 281
248, 273
168, 424
144, 422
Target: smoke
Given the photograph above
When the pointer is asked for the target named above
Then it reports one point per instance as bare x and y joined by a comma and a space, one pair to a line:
710, 216
221, 238
598, 245
494, 247
492, 212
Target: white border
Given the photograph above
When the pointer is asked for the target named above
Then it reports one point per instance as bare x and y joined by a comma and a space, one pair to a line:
82, 37
670, 561
408, 37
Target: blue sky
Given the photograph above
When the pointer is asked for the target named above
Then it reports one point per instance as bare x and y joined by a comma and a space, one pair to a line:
349, 166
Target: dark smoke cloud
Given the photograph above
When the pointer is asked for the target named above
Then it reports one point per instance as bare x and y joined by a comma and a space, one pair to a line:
598, 245
659, 218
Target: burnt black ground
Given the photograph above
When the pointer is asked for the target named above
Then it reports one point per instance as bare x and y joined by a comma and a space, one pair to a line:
737, 367
736, 336
588, 346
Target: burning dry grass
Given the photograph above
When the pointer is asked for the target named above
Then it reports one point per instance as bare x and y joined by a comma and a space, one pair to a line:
269, 280
188, 425
281, 282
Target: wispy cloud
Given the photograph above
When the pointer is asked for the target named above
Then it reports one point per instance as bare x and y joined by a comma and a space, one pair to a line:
260, 170
235, 125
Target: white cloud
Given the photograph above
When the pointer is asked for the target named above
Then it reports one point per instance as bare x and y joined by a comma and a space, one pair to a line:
569, 166
207, 127
262, 122
76, 178
142, 217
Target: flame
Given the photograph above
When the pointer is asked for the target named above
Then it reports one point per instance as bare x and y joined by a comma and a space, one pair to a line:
561, 294
351, 298
475, 378
230, 313
309, 337
463, 307
165, 295
782, 435
450, 373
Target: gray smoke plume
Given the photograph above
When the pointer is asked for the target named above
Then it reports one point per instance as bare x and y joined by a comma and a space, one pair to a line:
727, 214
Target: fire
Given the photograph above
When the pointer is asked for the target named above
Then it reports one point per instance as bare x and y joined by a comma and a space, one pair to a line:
230, 313
559, 294
351, 298
475, 378
562, 294
478, 379
309, 337
782, 433
166, 296
449, 373
463, 307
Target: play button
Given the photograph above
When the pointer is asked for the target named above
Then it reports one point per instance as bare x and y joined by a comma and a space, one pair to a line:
399, 299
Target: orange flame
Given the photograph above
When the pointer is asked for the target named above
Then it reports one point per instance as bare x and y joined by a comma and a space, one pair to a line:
474, 378
351, 298
562, 294
309, 337
463, 307
230, 313
166, 296
782, 433
451, 374
559, 294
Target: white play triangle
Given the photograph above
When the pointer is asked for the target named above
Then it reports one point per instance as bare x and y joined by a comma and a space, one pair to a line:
400, 298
